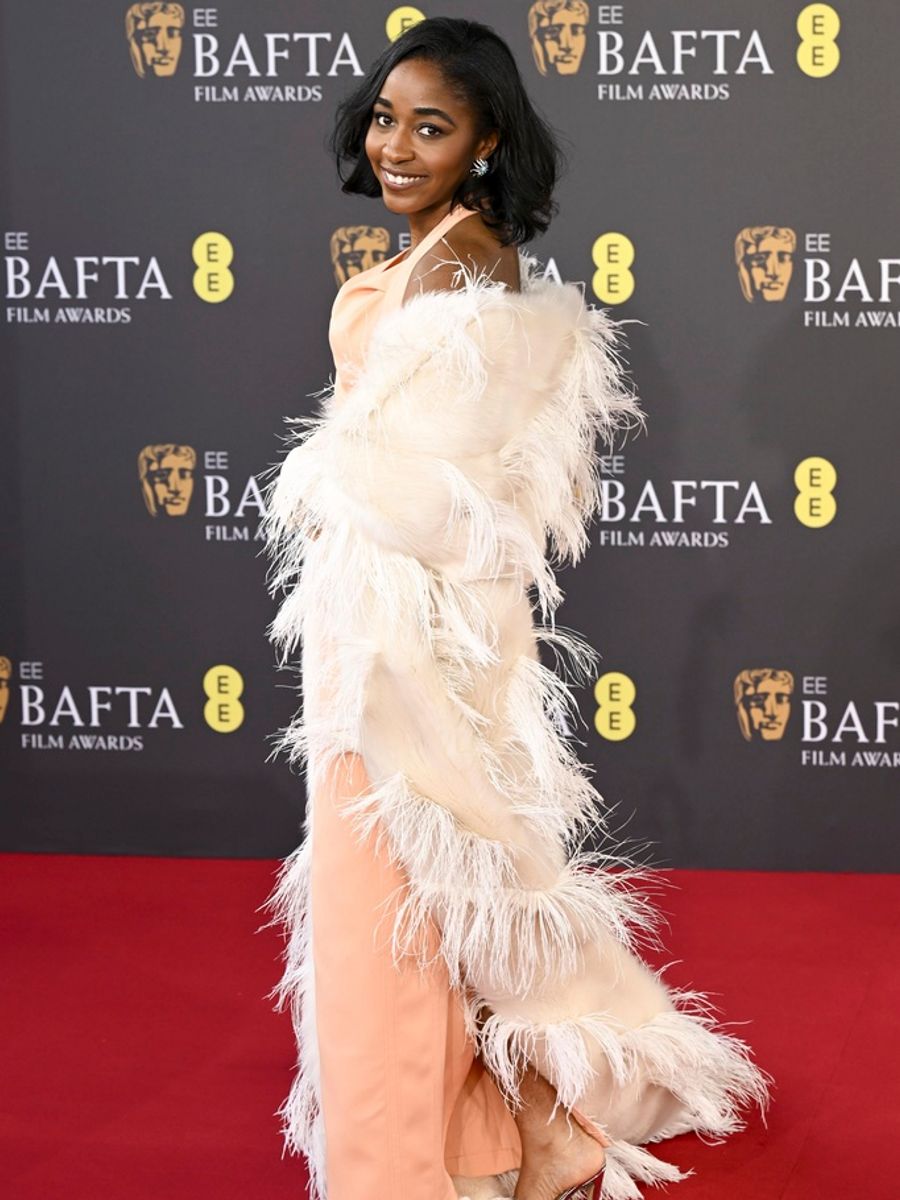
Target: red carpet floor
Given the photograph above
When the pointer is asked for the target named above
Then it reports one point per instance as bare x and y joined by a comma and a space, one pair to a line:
141, 1060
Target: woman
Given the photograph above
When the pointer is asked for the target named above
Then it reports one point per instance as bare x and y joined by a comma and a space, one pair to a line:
463, 979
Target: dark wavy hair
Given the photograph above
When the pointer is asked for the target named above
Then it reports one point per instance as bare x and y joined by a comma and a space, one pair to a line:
516, 195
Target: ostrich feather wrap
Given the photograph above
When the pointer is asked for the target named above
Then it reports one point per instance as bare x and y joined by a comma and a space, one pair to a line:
414, 528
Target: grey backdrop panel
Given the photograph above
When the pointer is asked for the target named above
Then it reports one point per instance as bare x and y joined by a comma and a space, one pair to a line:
105, 603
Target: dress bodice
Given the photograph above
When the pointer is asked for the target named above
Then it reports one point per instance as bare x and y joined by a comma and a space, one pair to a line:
364, 298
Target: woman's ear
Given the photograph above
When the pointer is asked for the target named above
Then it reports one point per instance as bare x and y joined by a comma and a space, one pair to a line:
488, 146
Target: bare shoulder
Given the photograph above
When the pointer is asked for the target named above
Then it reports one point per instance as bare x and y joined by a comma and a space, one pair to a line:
477, 248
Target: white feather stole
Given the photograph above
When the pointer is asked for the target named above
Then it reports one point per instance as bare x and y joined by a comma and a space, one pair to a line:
408, 527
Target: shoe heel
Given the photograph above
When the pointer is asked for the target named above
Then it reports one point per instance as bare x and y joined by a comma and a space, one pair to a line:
578, 1189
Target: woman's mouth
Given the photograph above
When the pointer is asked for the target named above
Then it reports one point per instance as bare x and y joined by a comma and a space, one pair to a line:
400, 182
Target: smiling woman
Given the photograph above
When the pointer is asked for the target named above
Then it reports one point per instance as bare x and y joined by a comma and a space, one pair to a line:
439, 102
408, 151
419, 151
464, 974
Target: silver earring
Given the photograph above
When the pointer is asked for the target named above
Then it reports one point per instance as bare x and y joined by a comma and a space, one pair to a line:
479, 167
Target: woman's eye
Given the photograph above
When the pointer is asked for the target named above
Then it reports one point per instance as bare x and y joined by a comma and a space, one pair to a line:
378, 119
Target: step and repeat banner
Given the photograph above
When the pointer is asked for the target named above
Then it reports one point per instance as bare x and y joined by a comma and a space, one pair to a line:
173, 236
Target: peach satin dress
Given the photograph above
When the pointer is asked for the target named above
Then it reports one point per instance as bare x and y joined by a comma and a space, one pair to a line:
405, 1102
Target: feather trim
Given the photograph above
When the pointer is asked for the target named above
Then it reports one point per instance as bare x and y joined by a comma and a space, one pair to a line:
303, 1128
680, 1048
479, 389
408, 526
626, 1162
491, 927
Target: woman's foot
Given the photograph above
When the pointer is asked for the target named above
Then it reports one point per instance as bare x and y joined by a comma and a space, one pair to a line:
555, 1156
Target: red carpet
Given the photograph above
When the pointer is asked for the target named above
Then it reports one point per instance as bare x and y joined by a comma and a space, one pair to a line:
141, 1060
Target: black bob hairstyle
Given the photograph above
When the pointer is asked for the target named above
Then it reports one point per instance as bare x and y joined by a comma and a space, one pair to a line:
515, 196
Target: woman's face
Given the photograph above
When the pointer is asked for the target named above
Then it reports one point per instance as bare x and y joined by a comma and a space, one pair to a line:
433, 149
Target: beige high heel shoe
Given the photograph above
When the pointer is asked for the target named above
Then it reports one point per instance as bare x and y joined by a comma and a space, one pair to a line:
598, 1135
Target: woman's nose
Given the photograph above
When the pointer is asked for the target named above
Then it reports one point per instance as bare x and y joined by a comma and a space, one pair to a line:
396, 146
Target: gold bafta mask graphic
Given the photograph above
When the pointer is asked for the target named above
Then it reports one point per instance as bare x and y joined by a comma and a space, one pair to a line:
166, 473
356, 248
153, 31
762, 698
765, 261
558, 33
5, 676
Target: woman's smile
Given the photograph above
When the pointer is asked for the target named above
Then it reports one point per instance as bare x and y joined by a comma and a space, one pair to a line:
400, 181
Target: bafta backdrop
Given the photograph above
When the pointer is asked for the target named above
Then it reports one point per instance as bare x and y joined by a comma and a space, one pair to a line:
173, 236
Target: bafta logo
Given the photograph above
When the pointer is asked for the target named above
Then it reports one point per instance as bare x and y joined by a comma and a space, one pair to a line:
558, 33
765, 261
5, 676
153, 30
762, 698
166, 473
356, 248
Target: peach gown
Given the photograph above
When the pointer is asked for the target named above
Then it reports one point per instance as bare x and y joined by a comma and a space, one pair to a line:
406, 1104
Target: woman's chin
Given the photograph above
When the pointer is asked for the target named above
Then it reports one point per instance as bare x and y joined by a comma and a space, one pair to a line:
399, 201
399, 208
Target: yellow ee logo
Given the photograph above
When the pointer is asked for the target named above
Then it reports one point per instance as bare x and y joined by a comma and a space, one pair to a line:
223, 711
612, 254
818, 53
614, 719
400, 19
212, 254
814, 505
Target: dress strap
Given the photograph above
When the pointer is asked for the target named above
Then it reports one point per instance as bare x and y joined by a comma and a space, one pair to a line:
397, 277
444, 225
